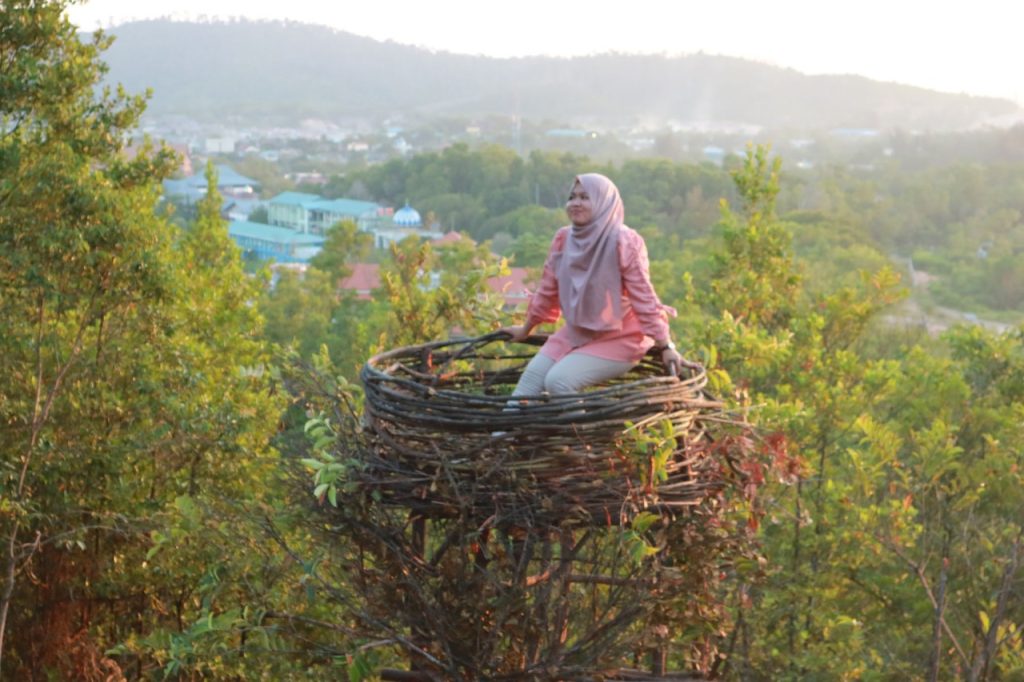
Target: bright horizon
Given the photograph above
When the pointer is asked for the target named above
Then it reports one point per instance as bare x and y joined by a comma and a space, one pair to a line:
939, 45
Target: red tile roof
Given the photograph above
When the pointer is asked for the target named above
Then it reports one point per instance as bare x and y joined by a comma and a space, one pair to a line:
512, 286
449, 238
364, 279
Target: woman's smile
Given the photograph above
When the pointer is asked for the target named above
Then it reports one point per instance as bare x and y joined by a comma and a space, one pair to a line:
579, 207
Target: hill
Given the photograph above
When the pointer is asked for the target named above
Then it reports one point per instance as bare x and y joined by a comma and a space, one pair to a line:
288, 71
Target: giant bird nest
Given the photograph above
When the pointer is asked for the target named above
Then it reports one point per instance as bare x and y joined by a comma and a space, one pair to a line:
448, 442
502, 539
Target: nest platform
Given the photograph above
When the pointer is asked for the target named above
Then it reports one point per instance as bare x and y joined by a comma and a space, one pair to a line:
448, 441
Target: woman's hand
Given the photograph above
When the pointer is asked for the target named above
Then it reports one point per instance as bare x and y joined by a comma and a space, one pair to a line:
517, 333
673, 361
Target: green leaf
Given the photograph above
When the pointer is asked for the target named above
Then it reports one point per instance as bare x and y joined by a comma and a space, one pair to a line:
643, 521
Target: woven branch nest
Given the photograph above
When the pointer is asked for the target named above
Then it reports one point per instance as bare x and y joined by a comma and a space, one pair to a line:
446, 441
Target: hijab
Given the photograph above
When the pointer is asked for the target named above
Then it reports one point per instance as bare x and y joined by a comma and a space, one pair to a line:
589, 278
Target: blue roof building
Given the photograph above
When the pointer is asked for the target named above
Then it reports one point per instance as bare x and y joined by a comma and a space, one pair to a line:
278, 243
325, 213
291, 210
295, 199
312, 214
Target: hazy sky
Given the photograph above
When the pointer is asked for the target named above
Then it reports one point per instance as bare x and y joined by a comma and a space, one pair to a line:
955, 46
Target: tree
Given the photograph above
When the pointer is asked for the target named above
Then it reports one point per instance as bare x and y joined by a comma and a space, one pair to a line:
771, 343
344, 245
755, 280
78, 250
129, 364
310, 310
299, 310
897, 549
432, 294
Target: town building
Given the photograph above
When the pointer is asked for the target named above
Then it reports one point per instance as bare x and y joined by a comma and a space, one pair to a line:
313, 214
278, 243
230, 183
405, 222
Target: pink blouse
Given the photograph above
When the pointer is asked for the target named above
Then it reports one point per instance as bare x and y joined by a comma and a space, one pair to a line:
644, 318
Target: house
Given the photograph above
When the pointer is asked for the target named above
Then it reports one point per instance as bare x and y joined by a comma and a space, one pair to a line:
365, 279
240, 208
570, 132
512, 287
220, 145
278, 243
449, 237
714, 154
193, 188
405, 222
384, 237
311, 178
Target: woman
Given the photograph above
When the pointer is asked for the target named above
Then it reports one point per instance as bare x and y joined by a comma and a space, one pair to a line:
596, 277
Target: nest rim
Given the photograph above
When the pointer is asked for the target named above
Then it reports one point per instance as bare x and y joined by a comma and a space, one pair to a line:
645, 384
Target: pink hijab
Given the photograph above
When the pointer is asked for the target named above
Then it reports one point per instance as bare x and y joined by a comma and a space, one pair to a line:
589, 278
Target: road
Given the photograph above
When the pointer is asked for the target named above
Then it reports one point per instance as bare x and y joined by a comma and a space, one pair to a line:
938, 319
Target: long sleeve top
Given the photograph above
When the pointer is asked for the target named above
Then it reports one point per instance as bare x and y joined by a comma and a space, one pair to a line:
644, 318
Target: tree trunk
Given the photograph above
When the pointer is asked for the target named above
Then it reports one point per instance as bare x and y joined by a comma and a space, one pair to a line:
939, 608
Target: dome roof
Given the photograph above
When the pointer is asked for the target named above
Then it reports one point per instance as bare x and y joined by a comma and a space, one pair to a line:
408, 216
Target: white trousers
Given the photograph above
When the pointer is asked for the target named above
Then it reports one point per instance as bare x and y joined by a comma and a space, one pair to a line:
571, 374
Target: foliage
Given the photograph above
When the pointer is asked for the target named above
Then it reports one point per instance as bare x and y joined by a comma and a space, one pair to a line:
780, 330
960, 222
427, 291
867, 550
133, 389
344, 244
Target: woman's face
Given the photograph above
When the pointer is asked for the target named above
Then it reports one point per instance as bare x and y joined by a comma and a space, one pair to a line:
579, 208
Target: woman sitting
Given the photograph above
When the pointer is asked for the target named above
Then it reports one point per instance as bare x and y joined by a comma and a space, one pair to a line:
597, 277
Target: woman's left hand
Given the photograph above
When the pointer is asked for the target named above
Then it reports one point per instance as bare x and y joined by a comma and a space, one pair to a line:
517, 333
674, 362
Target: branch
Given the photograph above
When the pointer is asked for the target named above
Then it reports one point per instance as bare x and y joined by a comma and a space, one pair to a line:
406, 676
919, 572
1005, 588
609, 580
399, 639
936, 656
39, 416
322, 624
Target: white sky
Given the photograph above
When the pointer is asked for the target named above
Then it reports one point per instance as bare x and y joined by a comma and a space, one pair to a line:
974, 47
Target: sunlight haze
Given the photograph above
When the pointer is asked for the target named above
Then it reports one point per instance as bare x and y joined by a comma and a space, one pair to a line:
948, 46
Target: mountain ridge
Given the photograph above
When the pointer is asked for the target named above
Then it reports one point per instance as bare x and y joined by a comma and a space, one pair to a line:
290, 70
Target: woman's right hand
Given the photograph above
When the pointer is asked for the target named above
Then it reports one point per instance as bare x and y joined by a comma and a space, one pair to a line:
517, 333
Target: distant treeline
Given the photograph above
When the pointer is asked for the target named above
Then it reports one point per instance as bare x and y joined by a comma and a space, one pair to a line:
963, 222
